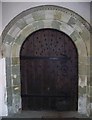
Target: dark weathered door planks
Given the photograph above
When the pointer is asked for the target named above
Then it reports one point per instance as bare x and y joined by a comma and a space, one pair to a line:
49, 71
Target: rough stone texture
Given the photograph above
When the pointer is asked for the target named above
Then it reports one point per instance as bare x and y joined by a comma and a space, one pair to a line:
48, 17
38, 15
15, 50
8, 39
21, 23
13, 32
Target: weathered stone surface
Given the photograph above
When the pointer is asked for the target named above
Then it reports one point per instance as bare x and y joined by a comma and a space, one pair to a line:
21, 23
82, 80
15, 50
66, 28
8, 39
16, 105
49, 15
82, 104
82, 90
57, 15
65, 17
29, 19
20, 39
38, 25
6, 50
82, 69
26, 31
16, 70
14, 31
72, 21
47, 23
81, 48
38, 15
56, 25
15, 61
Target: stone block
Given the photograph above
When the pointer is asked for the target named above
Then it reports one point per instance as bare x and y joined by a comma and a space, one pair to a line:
82, 90
75, 35
82, 80
16, 80
82, 51
14, 31
38, 15
56, 25
15, 50
15, 70
57, 15
21, 23
38, 25
49, 15
66, 28
15, 61
82, 69
26, 31
72, 21
65, 17
7, 50
9, 96
29, 19
8, 39
20, 39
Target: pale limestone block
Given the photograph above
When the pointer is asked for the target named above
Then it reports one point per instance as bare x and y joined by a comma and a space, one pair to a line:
8, 39
6, 49
76, 35
29, 19
38, 25
49, 14
27, 30
65, 17
81, 47
66, 28
15, 71
14, 31
15, 61
82, 69
57, 15
15, 50
21, 23
38, 15
83, 80
47, 23
84, 60
16, 105
56, 25
85, 34
82, 104
20, 39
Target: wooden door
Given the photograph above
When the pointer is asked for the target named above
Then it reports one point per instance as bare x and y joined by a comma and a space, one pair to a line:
49, 71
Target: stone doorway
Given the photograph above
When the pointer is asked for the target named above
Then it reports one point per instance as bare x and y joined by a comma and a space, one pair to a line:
37, 18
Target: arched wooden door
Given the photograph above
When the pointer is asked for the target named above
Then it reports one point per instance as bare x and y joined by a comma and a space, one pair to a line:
49, 71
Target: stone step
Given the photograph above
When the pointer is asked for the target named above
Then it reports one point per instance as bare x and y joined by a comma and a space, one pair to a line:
46, 115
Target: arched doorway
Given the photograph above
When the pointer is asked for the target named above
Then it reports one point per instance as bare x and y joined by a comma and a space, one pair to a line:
49, 71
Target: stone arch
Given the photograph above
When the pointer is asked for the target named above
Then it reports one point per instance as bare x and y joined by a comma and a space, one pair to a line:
47, 16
